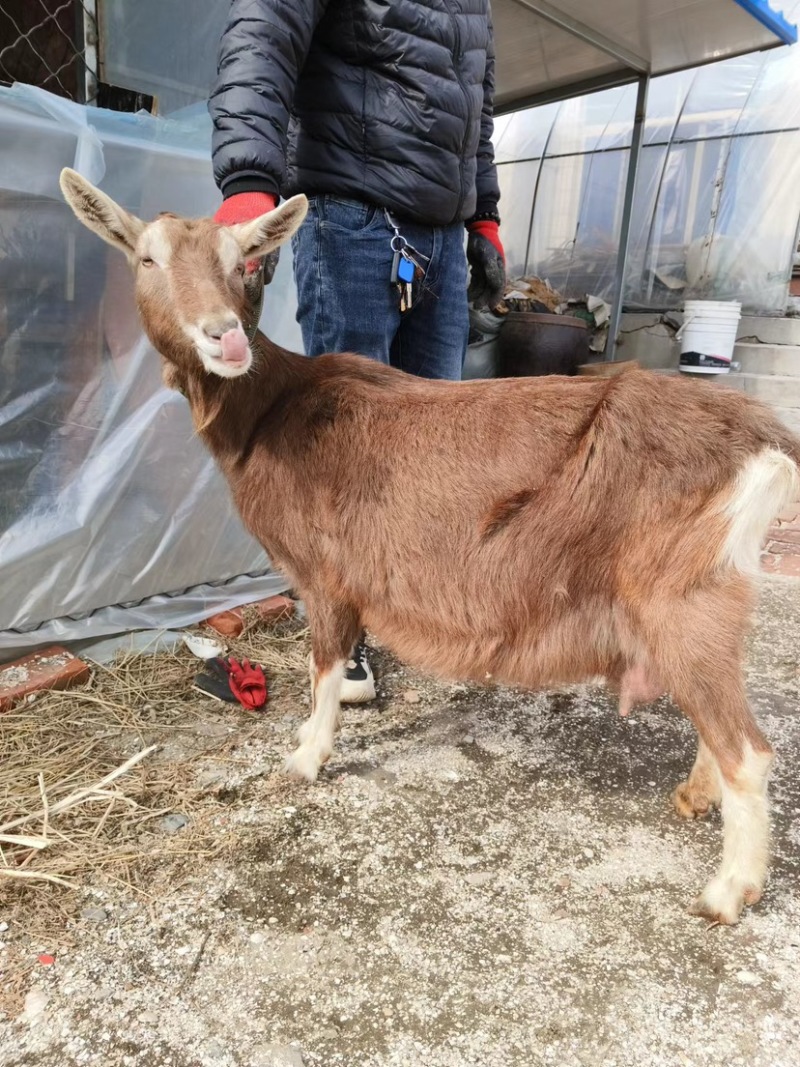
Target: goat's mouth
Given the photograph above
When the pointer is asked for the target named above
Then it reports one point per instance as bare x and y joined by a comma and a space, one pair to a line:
226, 353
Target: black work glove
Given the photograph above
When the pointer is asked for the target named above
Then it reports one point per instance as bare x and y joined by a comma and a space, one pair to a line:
487, 262
270, 264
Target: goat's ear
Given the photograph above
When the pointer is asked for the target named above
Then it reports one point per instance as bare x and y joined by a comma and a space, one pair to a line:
268, 232
99, 212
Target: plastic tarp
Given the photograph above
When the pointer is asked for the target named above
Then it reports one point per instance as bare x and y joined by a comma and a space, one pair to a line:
717, 200
112, 515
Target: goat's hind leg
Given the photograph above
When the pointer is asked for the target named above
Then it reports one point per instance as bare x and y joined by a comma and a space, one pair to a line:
733, 747
697, 647
334, 631
702, 790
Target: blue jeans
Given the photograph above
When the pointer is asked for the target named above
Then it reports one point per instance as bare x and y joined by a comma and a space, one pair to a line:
346, 302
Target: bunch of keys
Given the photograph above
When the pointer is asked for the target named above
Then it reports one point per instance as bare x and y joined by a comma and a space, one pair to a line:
405, 266
403, 271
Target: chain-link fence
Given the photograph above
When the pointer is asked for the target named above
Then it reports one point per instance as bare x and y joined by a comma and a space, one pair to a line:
51, 44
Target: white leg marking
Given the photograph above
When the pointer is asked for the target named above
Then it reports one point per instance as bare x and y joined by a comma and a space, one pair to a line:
317, 732
745, 850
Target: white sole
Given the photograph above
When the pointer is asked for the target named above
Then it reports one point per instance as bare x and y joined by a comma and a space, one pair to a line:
357, 692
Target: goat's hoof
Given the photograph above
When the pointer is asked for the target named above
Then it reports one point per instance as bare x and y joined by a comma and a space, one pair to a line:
691, 803
722, 901
304, 763
752, 895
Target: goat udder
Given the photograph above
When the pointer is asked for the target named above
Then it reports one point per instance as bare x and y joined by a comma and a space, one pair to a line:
638, 686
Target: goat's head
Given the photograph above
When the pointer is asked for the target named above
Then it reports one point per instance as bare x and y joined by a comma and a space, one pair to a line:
189, 273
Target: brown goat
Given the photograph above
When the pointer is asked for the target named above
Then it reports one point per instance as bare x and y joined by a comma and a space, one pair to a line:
536, 531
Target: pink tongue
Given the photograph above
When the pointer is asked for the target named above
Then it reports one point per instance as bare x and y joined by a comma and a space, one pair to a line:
234, 345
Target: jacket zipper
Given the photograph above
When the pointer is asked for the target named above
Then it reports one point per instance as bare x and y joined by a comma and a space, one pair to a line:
465, 94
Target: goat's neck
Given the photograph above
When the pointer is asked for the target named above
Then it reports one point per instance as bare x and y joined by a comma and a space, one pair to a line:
226, 411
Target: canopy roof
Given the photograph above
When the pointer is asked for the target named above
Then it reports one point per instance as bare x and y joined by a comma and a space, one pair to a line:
551, 49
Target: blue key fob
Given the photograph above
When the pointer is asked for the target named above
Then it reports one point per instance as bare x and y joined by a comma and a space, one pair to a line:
405, 271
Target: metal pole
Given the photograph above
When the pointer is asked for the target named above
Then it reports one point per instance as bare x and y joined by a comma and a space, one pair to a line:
637, 138
90, 51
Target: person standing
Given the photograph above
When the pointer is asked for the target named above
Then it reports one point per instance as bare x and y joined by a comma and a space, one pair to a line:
382, 115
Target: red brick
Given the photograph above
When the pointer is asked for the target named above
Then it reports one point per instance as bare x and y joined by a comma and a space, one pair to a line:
790, 513
786, 535
784, 548
275, 608
787, 566
51, 668
227, 623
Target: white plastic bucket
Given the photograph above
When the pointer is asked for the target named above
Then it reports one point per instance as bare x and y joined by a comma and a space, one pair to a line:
708, 335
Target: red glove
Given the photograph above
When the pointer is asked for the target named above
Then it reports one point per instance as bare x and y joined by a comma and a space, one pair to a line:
243, 207
491, 231
247, 683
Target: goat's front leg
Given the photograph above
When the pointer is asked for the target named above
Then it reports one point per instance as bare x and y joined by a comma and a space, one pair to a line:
334, 631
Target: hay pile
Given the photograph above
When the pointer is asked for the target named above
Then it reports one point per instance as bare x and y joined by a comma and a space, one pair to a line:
87, 777
527, 294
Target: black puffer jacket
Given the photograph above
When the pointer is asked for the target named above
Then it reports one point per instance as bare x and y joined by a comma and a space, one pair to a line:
388, 101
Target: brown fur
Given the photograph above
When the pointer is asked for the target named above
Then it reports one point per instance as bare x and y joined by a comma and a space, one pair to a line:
607, 557
539, 531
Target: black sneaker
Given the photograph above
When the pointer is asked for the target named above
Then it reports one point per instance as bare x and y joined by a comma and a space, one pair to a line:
358, 684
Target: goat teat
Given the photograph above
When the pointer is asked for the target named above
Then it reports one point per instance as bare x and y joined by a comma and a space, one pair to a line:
189, 273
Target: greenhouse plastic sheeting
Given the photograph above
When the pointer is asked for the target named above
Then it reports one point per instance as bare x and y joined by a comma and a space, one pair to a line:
717, 200
112, 515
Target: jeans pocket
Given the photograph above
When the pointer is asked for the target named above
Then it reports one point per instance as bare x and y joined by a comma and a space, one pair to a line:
354, 216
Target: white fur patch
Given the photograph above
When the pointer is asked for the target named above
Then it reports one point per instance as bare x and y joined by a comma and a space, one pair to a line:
317, 733
230, 254
155, 243
765, 484
745, 849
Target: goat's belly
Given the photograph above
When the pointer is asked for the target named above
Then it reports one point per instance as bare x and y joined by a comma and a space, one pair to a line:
571, 650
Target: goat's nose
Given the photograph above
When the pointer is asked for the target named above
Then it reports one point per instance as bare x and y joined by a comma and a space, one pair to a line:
214, 327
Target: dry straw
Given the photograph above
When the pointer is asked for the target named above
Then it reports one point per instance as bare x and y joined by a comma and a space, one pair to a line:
85, 774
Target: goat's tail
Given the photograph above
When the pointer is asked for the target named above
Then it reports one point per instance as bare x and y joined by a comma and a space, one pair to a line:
767, 483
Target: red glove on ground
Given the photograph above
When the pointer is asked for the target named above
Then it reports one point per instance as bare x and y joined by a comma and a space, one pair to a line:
247, 683
243, 207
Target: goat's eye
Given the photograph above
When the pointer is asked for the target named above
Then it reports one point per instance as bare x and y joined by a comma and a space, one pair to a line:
240, 268
147, 261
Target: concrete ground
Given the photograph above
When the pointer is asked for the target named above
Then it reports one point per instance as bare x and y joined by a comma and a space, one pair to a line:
480, 878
